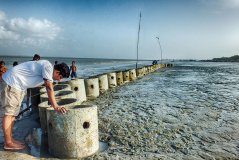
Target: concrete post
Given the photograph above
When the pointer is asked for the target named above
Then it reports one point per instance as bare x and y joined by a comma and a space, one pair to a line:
126, 76
44, 105
74, 134
92, 88
112, 80
132, 75
119, 77
103, 83
78, 86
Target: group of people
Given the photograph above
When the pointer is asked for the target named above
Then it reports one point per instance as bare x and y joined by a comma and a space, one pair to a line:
14, 83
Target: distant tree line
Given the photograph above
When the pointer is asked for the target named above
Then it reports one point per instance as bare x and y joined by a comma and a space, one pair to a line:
234, 58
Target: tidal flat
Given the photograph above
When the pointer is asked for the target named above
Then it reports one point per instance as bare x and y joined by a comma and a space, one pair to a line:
184, 112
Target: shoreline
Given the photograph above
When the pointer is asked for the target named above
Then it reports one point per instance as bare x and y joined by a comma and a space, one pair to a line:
186, 112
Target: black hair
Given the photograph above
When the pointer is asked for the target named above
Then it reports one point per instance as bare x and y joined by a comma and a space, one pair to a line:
56, 62
2, 62
15, 63
36, 57
63, 68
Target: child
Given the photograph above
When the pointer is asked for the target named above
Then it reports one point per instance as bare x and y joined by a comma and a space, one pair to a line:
73, 70
3, 69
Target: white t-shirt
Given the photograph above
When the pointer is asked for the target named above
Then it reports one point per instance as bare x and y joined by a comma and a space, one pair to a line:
29, 74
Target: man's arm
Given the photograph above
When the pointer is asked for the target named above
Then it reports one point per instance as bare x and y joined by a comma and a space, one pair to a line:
51, 96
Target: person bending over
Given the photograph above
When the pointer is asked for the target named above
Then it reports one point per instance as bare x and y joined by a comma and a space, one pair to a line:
13, 86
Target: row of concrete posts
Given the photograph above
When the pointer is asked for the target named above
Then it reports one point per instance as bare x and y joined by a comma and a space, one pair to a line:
75, 134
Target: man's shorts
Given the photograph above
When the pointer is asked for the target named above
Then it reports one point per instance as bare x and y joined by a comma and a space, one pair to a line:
11, 99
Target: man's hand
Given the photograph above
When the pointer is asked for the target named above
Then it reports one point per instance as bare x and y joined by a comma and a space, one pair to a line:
60, 109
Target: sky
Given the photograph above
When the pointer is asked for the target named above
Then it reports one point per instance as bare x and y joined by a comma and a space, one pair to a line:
187, 29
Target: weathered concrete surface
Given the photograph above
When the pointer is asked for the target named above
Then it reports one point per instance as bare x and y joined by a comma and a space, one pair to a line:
112, 80
74, 134
119, 77
92, 88
57, 87
103, 83
78, 86
62, 94
126, 76
132, 75
67, 102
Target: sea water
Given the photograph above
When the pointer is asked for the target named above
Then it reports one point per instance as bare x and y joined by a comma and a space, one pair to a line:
85, 66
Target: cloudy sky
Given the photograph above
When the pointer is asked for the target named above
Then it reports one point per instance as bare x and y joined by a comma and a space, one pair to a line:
187, 29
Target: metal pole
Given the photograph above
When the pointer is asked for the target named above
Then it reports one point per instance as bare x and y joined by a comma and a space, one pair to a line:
160, 49
138, 42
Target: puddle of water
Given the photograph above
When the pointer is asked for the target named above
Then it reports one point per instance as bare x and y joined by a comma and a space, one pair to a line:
39, 145
103, 146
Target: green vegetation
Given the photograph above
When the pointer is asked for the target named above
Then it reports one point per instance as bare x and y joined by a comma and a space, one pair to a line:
234, 58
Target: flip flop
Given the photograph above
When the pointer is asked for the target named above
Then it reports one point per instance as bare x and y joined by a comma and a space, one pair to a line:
13, 149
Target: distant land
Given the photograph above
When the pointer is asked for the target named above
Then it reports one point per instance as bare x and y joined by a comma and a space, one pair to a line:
234, 58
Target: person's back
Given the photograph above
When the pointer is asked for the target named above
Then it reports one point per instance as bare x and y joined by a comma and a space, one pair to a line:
29, 74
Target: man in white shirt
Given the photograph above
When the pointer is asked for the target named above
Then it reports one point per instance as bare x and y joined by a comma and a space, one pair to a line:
13, 86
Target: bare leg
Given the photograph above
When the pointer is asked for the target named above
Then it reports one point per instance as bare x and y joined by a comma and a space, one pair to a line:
7, 130
13, 140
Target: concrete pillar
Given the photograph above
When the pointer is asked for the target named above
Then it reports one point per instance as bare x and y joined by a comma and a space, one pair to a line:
112, 80
119, 77
144, 71
59, 95
103, 83
132, 75
126, 76
78, 86
44, 105
74, 134
57, 87
92, 88
138, 74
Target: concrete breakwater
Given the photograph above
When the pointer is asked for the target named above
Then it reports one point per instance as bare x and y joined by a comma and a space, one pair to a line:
94, 86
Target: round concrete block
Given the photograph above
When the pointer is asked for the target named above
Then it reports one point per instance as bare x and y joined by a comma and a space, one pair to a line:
78, 86
103, 83
74, 134
57, 87
119, 78
92, 88
126, 76
67, 102
132, 75
112, 80
59, 95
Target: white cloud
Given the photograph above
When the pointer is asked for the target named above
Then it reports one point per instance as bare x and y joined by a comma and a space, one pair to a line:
2, 16
222, 4
29, 31
8, 35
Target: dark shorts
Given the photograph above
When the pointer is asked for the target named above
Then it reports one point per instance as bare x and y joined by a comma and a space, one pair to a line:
73, 75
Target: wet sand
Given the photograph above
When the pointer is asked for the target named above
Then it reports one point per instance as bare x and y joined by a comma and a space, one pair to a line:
165, 115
